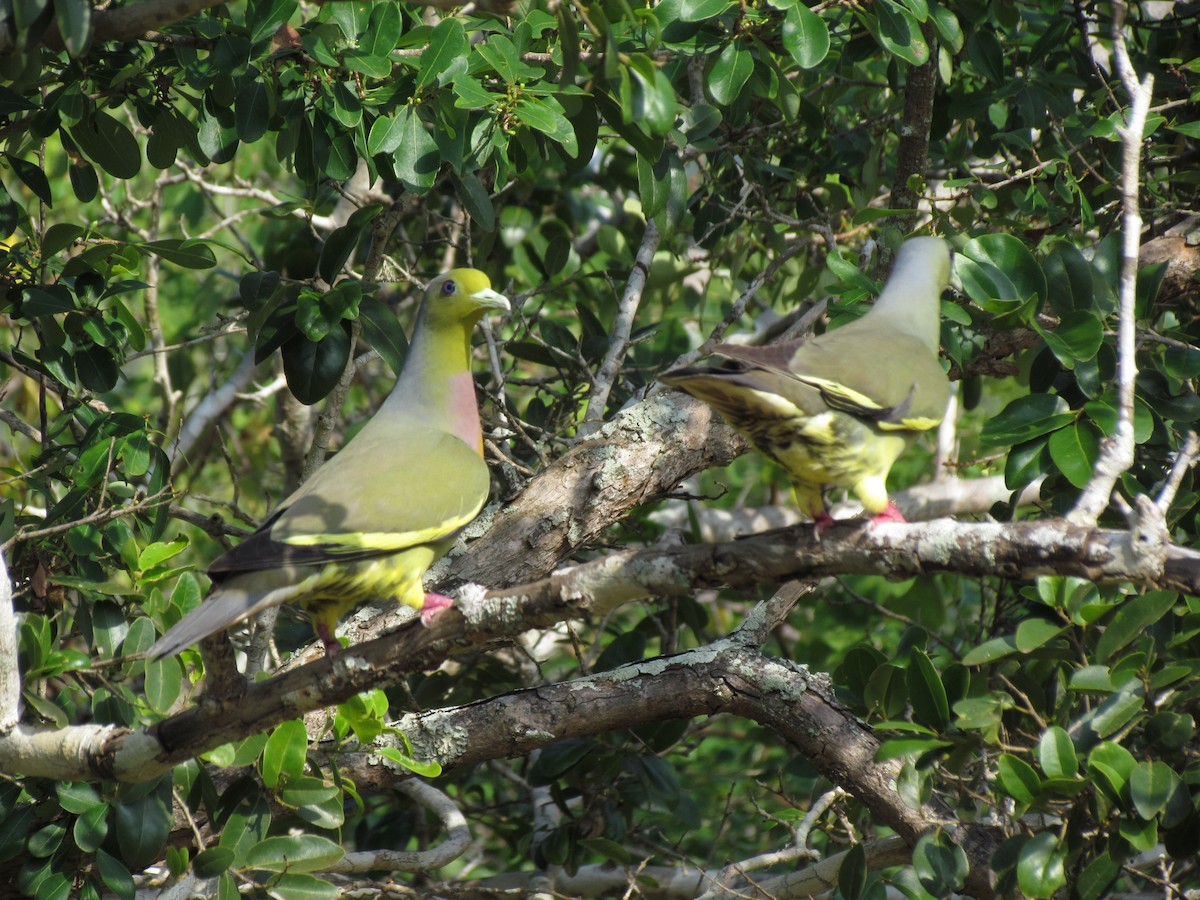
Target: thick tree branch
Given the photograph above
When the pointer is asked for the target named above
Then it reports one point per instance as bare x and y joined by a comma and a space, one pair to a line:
1021, 550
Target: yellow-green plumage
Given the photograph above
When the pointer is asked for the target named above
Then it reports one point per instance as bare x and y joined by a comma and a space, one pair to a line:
839, 409
372, 519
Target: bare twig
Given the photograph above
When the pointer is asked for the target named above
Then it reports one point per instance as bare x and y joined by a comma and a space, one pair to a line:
618, 341
1117, 450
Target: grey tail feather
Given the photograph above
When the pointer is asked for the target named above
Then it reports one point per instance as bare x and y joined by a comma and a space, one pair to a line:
217, 611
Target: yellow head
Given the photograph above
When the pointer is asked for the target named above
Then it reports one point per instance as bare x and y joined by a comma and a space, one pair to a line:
460, 296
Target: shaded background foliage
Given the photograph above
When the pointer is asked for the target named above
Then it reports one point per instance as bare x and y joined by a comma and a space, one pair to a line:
182, 204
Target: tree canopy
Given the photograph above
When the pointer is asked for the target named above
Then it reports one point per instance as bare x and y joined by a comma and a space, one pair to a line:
219, 218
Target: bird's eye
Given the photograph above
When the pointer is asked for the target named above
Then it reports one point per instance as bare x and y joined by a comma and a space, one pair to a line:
449, 287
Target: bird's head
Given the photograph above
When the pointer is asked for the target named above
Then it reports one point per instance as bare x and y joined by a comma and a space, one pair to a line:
461, 295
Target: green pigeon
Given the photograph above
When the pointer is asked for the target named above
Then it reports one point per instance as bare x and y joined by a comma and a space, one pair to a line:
840, 408
375, 516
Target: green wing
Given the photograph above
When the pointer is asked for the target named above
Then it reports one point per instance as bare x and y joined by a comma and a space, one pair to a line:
394, 486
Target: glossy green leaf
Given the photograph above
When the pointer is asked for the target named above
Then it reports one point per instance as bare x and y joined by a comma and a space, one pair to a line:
91, 828
294, 853
899, 32
1097, 877
926, 692
940, 864
447, 43
313, 368
1017, 778
852, 873
1151, 785
189, 254
1077, 338
1074, 450
382, 31
109, 144
543, 116
1033, 633
1026, 418
1041, 869
416, 157
302, 886
383, 332
1056, 754
284, 754
252, 109
805, 36
32, 177
141, 827
1132, 619
212, 862
115, 875
729, 73
701, 10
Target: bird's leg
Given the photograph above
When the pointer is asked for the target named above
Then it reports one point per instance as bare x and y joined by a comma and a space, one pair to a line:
331, 644
434, 604
823, 522
890, 514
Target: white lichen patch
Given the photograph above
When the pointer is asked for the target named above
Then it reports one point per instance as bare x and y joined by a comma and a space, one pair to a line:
480, 609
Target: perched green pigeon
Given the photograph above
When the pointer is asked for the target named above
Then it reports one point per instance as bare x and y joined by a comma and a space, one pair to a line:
374, 517
840, 408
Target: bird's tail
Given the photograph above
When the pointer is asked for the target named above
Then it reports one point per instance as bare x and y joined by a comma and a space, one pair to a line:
225, 606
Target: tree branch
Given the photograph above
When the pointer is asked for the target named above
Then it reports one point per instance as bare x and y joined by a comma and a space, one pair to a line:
1117, 451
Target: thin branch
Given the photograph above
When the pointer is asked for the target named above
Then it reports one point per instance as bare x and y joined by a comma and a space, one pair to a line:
1117, 451
618, 340
458, 838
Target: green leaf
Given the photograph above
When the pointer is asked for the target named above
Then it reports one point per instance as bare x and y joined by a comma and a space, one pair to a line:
1033, 633
190, 253
141, 827
293, 853
91, 829
383, 332
77, 797
899, 32
115, 876
1151, 785
212, 862
447, 43
337, 249
986, 54
729, 73
852, 873
1018, 779
1114, 764
284, 755
990, 651
1041, 869
1074, 450
109, 144
313, 368
652, 101
542, 116
1077, 338
1132, 619
940, 864
1026, 418
475, 200
383, 30
1056, 754
1097, 877
33, 178
702, 10
416, 158
999, 267
926, 692
805, 36
252, 108
301, 886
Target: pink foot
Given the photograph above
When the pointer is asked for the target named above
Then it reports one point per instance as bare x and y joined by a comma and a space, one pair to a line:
434, 604
331, 644
824, 521
889, 514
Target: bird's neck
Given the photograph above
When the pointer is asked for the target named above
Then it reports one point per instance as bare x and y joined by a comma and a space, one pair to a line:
903, 304
436, 386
